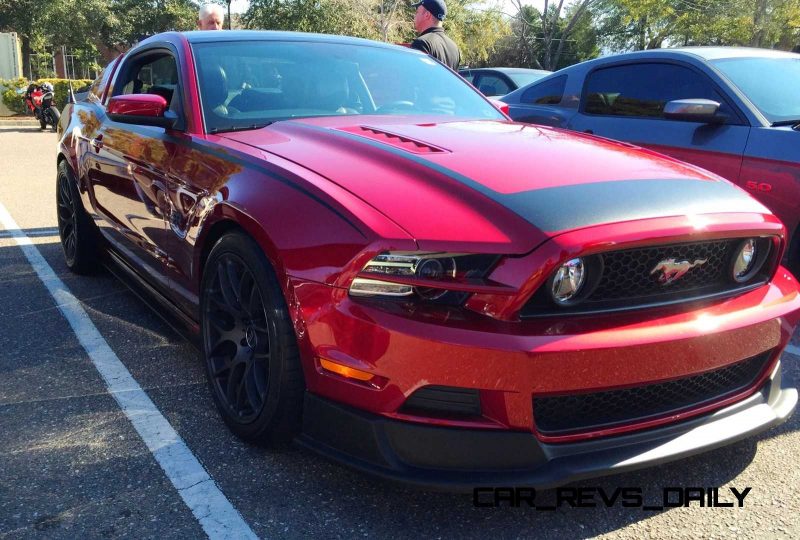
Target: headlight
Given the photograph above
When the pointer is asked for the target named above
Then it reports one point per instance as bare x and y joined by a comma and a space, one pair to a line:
568, 280
414, 268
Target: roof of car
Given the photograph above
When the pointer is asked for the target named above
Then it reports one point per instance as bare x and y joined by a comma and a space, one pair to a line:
716, 53
206, 36
508, 70
703, 53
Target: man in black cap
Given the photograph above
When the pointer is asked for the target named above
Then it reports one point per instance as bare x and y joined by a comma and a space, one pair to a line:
432, 39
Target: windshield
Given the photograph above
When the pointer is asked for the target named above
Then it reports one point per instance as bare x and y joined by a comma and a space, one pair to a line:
772, 84
249, 84
524, 79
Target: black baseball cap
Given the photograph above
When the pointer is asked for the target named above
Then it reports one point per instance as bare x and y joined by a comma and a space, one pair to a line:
437, 7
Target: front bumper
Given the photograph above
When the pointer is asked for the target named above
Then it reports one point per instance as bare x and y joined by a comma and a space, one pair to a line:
456, 459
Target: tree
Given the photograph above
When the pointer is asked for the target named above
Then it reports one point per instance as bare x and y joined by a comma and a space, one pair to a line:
25, 18
476, 32
393, 20
648, 24
83, 25
544, 36
346, 17
141, 18
552, 41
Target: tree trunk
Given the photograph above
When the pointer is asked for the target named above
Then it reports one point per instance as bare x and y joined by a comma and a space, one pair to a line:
577, 14
642, 31
759, 23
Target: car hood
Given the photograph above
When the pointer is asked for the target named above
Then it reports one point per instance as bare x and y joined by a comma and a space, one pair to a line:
505, 185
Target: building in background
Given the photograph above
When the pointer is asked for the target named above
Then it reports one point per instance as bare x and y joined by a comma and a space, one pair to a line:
10, 56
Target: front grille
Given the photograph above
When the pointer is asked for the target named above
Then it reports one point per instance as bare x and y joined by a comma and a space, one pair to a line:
627, 279
627, 273
558, 415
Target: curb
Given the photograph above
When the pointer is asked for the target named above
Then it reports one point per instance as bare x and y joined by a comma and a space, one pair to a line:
18, 123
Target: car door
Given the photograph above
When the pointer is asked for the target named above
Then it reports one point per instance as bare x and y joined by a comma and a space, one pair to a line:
626, 102
127, 176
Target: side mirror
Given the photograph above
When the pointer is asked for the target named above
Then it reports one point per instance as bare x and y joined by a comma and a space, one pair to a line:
694, 110
500, 106
141, 109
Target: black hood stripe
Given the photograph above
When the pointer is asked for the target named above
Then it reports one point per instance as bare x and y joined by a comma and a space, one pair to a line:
581, 205
561, 208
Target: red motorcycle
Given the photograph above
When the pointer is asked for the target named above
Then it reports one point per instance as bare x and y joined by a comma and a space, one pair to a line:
39, 100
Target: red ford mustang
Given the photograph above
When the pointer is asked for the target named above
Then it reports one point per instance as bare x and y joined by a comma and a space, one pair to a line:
383, 267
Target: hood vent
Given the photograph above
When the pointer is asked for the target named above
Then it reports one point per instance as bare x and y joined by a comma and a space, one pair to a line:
398, 141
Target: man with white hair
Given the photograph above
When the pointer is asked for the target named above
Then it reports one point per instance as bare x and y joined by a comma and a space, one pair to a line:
211, 17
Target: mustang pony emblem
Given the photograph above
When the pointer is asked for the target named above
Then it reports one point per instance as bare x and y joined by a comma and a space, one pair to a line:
672, 270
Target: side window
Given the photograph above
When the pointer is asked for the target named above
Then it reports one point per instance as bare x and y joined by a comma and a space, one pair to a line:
468, 75
642, 90
153, 74
546, 93
492, 85
99, 85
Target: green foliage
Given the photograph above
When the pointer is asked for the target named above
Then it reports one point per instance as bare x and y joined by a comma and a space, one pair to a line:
568, 32
648, 24
478, 31
61, 89
568, 37
83, 25
475, 30
345, 17
11, 98
148, 17
14, 100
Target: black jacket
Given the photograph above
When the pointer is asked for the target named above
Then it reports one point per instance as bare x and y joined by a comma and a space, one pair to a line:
436, 43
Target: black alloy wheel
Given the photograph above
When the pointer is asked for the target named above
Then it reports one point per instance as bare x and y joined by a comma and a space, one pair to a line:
250, 350
238, 338
75, 228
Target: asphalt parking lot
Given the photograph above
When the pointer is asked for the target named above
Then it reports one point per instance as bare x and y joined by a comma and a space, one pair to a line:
72, 464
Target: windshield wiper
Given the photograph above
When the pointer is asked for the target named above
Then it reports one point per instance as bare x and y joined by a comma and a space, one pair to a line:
786, 122
240, 128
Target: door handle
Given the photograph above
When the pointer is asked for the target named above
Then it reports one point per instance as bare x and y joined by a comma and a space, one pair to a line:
589, 131
97, 143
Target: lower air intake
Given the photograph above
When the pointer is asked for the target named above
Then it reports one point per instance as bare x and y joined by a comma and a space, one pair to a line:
558, 415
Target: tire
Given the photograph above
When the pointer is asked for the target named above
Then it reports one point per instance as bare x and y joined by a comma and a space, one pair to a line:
79, 238
55, 116
42, 121
248, 344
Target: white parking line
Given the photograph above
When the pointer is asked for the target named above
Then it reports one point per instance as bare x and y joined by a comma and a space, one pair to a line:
217, 516
36, 232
